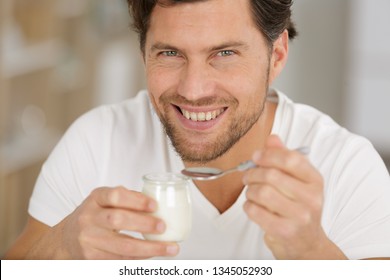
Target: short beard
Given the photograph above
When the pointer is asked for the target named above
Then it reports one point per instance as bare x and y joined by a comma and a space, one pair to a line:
211, 151
221, 145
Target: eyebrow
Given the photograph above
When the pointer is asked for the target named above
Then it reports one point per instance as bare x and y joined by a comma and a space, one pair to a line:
230, 44
162, 46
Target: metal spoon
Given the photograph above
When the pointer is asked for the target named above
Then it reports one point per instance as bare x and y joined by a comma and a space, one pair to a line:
210, 173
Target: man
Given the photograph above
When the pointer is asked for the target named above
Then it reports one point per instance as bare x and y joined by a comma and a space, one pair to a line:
209, 66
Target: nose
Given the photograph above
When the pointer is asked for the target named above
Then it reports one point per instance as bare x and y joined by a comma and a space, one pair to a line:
196, 81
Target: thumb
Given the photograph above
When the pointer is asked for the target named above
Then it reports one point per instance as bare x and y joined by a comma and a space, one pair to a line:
273, 141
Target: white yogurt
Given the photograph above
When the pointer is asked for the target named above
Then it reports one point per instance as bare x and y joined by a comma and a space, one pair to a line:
171, 191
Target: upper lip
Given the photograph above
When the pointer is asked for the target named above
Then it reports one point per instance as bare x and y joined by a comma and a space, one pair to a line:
199, 109
200, 113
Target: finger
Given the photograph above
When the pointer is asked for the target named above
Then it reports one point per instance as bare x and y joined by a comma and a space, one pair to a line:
284, 183
293, 162
289, 161
120, 219
113, 245
120, 197
130, 247
272, 200
277, 228
268, 221
274, 141
148, 249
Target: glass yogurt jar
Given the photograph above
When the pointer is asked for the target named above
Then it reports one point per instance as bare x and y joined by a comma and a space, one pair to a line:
171, 191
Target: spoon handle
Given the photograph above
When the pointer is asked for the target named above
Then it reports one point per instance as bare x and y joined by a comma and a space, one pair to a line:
246, 165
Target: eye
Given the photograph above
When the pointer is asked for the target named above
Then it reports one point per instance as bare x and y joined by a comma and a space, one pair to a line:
169, 53
226, 53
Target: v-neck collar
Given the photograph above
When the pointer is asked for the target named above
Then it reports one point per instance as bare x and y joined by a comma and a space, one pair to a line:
201, 203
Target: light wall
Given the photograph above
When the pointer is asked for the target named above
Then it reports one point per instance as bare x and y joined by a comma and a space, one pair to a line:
340, 64
314, 73
368, 76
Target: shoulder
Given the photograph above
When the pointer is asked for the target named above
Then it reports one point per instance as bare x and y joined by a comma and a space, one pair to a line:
334, 149
300, 124
132, 116
107, 131
125, 111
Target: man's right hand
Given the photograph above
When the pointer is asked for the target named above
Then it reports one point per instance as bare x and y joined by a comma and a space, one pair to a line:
92, 231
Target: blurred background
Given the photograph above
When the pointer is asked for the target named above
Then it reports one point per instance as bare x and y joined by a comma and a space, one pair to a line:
60, 58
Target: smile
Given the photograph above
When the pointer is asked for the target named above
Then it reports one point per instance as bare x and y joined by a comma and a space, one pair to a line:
201, 116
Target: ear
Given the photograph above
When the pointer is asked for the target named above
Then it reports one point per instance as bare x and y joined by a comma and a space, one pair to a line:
278, 56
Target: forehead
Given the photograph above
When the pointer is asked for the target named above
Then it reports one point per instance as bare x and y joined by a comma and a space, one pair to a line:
203, 20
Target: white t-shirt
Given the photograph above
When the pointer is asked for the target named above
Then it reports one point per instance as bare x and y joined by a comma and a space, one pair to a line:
116, 144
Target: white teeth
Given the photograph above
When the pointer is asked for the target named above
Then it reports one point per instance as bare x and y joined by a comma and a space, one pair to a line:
201, 116
194, 116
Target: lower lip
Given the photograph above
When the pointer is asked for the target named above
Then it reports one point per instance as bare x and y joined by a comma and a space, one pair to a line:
200, 126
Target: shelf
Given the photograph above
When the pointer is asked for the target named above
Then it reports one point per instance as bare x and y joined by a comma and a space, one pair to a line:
34, 58
26, 150
72, 8
49, 57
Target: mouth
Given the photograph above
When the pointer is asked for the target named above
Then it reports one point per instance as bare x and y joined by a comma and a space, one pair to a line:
200, 116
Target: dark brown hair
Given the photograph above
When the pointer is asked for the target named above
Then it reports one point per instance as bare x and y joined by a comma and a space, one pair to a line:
272, 17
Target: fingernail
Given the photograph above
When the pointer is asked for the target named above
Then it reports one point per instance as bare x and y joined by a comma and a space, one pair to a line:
160, 227
172, 250
152, 206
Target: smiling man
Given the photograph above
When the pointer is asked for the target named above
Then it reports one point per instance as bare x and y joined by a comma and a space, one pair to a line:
209, 67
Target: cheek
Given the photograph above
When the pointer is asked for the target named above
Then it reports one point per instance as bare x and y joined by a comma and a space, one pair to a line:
248, 86
248, 75
155, 87
160, 80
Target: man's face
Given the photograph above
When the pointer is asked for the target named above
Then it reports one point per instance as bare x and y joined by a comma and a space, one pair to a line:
207, 69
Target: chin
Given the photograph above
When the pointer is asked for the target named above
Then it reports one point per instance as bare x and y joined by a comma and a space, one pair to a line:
201, 153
